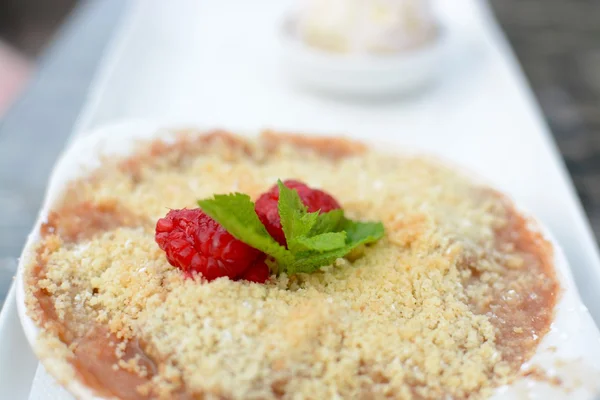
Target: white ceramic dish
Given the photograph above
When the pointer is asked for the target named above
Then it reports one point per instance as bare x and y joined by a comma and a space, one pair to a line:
569, 352
362, 75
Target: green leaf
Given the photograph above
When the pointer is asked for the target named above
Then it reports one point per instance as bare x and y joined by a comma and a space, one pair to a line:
328, 222
295, 221
320, 243
362, 232
357, 234
308, 262
235, 212
314, 240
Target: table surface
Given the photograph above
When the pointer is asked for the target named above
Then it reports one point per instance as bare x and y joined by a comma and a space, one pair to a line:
35, 130
555, 44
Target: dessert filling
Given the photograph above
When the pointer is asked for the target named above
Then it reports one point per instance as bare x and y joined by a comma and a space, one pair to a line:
451, 301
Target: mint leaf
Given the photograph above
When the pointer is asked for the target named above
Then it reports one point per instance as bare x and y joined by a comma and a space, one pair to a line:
357, 234
328, 222
300, 228
307, 262
235, 212
362, 232
320, 243
295, 220
314, 240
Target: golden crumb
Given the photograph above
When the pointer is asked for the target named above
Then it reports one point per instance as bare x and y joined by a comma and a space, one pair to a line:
447, 304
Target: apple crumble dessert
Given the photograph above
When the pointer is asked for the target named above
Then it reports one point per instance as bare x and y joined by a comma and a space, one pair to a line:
385, 277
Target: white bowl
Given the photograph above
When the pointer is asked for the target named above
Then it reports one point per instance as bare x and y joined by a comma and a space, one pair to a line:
362, 75
570, 351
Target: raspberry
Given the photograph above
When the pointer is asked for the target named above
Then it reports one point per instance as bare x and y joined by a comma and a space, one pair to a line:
194, 242
258, 272
313, 199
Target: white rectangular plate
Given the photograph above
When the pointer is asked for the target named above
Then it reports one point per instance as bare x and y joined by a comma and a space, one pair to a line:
215, 63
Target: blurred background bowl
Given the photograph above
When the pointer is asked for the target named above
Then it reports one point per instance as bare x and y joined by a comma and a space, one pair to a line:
362, 74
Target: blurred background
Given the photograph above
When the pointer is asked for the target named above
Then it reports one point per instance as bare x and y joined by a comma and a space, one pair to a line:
557, 43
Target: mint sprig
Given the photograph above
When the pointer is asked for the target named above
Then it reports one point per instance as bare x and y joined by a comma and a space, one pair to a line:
235, 212
314, 240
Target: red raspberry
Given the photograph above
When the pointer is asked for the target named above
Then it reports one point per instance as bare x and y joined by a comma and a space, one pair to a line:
313, 199
194, 242
258, 272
